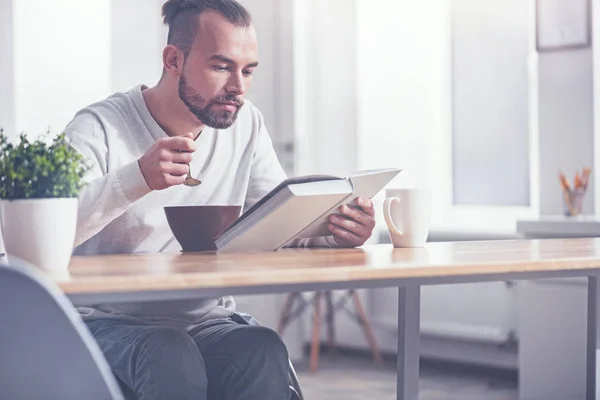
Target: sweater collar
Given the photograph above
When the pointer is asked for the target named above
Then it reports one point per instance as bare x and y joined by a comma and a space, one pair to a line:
137, 98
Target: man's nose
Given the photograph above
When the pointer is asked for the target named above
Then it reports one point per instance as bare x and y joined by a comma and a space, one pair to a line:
236, 85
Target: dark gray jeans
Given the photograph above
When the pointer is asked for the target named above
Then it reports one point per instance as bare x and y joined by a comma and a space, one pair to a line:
220, 360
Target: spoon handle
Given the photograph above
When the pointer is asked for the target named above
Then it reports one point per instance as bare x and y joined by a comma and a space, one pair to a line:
189, 180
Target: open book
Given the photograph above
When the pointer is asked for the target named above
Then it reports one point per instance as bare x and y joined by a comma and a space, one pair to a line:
299, 208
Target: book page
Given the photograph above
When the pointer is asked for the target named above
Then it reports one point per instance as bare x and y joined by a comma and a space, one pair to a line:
365, 183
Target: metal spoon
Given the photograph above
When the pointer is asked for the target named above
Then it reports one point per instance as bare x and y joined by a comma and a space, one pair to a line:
189, 181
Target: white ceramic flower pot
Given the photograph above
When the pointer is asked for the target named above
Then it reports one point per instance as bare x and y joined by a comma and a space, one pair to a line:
40, 231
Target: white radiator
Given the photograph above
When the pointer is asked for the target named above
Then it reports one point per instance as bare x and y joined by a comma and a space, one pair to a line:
481, 312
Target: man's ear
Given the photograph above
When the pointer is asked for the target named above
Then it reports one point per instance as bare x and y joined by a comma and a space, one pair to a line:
173, 60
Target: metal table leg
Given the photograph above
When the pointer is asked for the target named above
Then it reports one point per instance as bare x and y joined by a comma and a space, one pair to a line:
592, 335
409, 310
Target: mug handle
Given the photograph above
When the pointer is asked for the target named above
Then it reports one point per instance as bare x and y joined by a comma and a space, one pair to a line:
387, 214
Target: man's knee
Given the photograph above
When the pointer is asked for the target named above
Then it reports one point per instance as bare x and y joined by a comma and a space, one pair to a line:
159, 338
170, 359
266, 342
172, 349
265, 365
154, 361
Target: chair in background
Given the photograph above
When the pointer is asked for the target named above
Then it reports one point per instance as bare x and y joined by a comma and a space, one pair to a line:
46, 350
296, 304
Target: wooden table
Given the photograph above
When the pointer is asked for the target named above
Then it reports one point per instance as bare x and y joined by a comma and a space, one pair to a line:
146, 277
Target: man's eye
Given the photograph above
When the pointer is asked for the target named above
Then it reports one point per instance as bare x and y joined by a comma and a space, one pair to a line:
219, 68
248, 73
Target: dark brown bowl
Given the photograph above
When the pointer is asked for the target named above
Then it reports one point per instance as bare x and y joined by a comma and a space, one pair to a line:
196, 227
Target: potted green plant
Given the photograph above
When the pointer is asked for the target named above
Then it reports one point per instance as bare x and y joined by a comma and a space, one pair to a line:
39, 184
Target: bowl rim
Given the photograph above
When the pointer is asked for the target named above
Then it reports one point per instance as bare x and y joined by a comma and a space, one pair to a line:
204, 206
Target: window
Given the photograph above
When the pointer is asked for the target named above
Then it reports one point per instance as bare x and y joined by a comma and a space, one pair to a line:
490, 110
486, 176
454, 105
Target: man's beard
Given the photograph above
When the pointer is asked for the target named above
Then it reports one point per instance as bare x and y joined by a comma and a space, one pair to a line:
214, 119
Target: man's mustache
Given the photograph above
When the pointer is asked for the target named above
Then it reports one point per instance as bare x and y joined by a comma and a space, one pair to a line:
229, 99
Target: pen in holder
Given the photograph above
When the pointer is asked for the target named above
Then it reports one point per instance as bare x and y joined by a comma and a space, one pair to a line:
573, 195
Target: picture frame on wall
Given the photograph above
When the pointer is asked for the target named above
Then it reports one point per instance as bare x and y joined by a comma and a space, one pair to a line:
563, 24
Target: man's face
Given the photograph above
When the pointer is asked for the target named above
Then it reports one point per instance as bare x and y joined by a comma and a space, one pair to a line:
218, 70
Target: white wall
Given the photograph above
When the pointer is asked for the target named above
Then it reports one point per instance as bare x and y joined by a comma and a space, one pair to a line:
596, 94
61, 59
373, 93
272, 88
263, 90
403, 92
326, 86
7, 111
400, 95
60, 56
137, 38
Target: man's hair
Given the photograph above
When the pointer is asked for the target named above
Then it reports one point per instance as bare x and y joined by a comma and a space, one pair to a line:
181, 16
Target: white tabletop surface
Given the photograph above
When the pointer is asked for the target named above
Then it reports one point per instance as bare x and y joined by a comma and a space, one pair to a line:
560, 226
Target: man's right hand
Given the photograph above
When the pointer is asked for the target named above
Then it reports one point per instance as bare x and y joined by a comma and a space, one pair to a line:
166, 163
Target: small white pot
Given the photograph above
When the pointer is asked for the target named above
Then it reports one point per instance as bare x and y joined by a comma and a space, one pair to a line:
40, 231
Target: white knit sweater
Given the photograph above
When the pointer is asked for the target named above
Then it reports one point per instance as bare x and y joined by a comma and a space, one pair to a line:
119, 213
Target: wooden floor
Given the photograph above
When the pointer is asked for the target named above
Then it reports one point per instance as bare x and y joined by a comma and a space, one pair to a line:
352, 377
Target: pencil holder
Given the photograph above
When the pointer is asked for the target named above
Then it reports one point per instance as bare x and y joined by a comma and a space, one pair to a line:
573, 202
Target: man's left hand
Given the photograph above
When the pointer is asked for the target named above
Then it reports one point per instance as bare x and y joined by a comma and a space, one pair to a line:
355, 226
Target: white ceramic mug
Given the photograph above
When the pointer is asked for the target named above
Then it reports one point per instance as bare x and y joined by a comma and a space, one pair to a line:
407, 213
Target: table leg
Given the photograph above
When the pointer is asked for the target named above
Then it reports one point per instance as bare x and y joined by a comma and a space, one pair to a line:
330, 322
316, 335
409, 310
592, 335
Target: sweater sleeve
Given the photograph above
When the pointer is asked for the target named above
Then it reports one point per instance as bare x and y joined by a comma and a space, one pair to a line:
266, 173
107, 194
